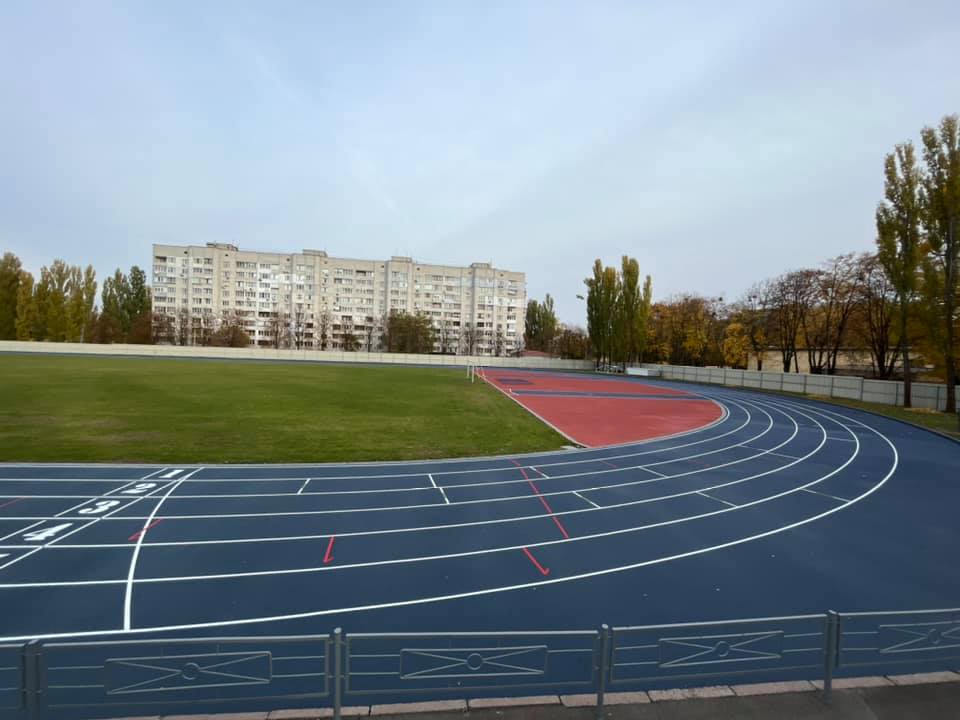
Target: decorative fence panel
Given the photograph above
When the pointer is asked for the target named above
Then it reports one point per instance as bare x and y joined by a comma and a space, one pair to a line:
89, 679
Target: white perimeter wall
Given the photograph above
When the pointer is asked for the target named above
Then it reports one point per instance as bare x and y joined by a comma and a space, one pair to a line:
175, 351
885, 392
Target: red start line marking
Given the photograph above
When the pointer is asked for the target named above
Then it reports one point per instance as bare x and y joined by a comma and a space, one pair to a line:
328, 556
543, 500
543, 571
136, 536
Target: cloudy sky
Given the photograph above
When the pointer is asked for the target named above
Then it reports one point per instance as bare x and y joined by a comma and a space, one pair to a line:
718, 143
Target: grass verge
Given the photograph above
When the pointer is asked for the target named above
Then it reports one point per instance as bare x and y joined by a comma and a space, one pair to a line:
932, 419
83, 409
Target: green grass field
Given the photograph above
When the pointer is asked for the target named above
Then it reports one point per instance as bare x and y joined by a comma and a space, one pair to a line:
941, 422
83, 409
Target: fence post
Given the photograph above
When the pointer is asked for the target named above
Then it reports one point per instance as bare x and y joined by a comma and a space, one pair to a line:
337, 672
604, 667
831, 629
32, 689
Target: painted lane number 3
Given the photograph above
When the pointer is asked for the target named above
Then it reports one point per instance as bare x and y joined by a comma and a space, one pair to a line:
99, 507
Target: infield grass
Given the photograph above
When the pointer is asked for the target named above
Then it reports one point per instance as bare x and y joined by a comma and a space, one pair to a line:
166, 411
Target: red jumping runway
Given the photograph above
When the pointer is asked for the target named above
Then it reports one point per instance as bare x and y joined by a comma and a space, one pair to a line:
595, 411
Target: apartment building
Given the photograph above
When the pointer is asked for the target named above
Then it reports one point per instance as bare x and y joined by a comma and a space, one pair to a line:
318, 301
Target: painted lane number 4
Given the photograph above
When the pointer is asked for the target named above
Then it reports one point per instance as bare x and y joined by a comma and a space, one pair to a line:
45, 533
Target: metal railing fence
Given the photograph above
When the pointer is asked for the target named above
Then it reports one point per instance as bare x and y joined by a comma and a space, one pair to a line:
70, 680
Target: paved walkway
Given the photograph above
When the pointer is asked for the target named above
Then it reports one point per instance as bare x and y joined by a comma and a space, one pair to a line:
931, 696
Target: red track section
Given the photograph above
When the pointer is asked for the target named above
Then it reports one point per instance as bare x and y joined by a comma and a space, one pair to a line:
597, 419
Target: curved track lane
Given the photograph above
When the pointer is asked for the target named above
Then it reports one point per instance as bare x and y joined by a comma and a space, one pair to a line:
112, 550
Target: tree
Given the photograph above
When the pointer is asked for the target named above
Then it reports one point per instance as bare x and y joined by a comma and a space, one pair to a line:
370, 334
643, 317
540, 326
628, 309
685, 330
349, 342
531, 326
406, 333
141, 330
137, 300
297, 326
278, 329
80, 304
446, 336
596, 324
898, 240
164, 329
876, 312
618, 312
114, 323
230, 332
468, 339
183, 326
55, 280
572, 343
834, 292
753, 313
791, 296
325, 321
736, 345
28, 315
499, 343
10, 273
940, 200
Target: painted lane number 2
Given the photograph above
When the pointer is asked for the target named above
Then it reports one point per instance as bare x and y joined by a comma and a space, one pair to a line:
139, 488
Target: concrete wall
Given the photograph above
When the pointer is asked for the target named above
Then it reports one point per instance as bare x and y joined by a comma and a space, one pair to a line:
175, 351
885, 392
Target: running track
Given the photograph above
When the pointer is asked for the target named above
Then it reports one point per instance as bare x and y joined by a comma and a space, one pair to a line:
780, 506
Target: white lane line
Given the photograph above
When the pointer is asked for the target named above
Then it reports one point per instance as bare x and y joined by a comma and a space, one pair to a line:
711, 497
434, 483
618, 531
511, 498
826, 495
172, 474
84, 524
778, 454
660, 474
584, 455
489, 591
87, 499
839, 439
128, 595
769, 428
305, 483
585, 499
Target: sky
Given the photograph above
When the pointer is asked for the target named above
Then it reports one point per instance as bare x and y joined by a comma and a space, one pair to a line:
718, 143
